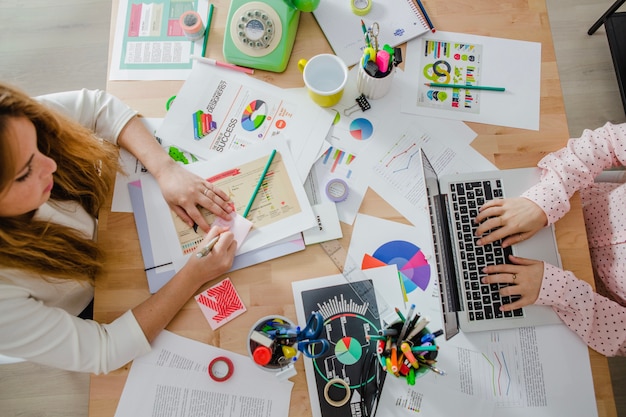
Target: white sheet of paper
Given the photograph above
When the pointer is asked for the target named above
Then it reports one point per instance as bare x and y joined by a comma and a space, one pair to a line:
243, 111
166, 53
545, 369
407, 246
172, 380
429, 399
398, 21
512, 64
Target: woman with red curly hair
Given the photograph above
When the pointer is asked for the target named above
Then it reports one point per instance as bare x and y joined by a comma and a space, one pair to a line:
59, 157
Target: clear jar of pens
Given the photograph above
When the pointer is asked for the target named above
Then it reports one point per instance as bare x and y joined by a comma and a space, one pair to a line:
377, 66
406, 348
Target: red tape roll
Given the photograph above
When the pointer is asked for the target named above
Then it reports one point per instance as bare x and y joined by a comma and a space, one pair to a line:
221, 368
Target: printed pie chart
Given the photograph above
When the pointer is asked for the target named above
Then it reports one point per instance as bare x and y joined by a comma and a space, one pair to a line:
408, 258
348, 350
361, 129
254, 115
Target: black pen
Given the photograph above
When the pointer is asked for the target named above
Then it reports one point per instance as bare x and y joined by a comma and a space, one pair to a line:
205, 250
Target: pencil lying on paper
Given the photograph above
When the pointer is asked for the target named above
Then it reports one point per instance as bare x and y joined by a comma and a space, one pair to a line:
258, 185
466, 87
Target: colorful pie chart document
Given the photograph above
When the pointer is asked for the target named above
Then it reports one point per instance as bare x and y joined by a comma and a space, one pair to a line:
379, 242
218, 110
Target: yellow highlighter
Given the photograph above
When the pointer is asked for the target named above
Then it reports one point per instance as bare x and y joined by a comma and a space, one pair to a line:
369, 54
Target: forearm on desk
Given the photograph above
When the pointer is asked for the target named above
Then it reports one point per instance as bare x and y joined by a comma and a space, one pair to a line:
138, 140
154, 314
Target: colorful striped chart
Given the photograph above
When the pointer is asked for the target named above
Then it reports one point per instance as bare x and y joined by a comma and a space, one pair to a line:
335, 157
203, 124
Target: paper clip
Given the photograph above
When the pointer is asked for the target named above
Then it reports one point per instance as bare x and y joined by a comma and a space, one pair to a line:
361, 102
373, 34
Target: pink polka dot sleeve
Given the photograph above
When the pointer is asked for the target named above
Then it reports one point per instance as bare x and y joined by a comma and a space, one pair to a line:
575, 166
600, 322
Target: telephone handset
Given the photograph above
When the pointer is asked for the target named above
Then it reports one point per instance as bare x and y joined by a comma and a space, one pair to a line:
261, 34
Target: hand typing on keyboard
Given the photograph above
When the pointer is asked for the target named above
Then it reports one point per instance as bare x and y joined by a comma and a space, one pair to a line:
523, 276
510, 219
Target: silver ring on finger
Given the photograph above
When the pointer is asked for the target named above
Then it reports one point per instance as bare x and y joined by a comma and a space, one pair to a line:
514, 277
205, 192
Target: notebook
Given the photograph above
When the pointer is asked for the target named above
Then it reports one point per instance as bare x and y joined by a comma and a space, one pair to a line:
398, 21
453, 202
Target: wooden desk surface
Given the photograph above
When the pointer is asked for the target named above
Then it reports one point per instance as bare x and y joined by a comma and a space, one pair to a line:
265, 288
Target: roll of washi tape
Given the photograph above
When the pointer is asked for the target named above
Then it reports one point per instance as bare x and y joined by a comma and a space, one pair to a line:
221, 368
361, 7
192, 25
337, 190
329, 384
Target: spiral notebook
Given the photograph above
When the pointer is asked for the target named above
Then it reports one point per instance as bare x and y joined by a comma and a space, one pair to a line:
398, 20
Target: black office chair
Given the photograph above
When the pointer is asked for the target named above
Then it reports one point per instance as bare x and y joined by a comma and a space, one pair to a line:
605, 16
615, 26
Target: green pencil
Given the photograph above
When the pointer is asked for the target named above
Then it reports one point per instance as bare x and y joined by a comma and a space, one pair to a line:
466, 87
206, 31
258, 185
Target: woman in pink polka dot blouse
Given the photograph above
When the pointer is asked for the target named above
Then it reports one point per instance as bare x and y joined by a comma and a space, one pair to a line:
600, 320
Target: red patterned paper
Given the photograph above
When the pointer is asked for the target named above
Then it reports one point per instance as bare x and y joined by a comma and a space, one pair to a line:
220, 303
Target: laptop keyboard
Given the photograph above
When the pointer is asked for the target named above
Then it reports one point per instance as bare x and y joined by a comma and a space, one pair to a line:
483, 301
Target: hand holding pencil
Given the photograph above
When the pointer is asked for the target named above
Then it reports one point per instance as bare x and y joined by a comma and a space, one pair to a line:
213, 257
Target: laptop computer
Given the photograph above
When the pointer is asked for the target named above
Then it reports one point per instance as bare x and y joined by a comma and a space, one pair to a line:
453, 202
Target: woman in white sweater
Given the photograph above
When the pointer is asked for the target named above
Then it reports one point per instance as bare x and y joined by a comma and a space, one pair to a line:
58, 159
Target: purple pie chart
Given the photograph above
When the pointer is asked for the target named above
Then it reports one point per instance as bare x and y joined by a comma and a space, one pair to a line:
410, 261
